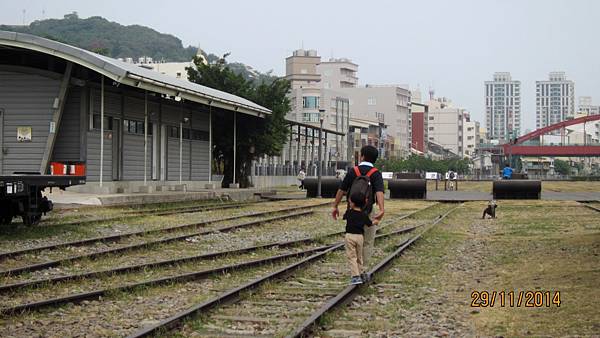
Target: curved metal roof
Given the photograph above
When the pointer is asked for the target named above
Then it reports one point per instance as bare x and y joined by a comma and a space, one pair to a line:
132, 75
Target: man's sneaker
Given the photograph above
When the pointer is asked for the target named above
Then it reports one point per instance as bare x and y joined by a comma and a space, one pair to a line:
365, 277
355, 280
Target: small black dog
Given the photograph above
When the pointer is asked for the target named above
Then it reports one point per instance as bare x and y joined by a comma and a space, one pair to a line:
490, 210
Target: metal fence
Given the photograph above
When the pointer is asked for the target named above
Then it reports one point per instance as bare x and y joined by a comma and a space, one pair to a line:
287, 170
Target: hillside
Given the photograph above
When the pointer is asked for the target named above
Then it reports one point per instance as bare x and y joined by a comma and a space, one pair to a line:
115, 40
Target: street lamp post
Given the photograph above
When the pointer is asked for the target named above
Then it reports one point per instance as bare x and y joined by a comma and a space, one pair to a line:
320, 168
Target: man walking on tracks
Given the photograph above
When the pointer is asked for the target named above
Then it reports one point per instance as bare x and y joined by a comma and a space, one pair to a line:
365, 174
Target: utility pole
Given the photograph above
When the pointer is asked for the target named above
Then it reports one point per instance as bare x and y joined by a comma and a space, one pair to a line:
320, 168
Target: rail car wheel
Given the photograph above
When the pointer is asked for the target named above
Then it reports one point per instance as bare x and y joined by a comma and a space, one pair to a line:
6, 214
6, 219
30, 220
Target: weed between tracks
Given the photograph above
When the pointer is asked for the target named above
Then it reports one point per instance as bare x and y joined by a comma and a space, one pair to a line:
16, 236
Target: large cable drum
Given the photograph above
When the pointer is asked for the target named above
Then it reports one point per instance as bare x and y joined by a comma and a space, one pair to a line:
408, 188
329, 186
517, 189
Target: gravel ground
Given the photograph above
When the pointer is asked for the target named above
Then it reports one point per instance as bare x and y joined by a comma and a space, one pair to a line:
21, 237
60, 253
125, 312
279, 306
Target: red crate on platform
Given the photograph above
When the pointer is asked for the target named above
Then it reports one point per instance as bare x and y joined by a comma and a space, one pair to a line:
57, 168
77, 169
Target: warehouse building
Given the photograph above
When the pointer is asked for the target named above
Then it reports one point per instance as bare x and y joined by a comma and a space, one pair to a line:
57, 100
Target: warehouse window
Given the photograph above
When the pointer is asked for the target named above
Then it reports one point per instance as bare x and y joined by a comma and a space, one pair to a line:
199, 135
136, 127
108, 122
174, 132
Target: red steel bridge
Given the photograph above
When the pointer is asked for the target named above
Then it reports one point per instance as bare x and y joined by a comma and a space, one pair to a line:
519, 149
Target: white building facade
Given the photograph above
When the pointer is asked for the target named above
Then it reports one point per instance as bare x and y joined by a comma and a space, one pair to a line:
389, 104
503, 107
555, 100
311, 102
586, 107
445, 125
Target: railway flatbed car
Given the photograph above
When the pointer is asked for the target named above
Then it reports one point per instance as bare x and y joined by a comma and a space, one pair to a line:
21, 195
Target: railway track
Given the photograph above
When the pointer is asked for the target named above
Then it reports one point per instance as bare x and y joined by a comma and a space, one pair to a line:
128, 214
181, 285
116, 237
162, 240
589, 206
116, 268
292, 296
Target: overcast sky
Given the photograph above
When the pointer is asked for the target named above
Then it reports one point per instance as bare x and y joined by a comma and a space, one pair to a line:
452, 46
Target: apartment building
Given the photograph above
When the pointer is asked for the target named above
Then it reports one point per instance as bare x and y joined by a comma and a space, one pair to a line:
419, 127
389, 104
445, 125
586, 107
338, 73
310, 101
555, 100
368, 132
503, 107
470, 135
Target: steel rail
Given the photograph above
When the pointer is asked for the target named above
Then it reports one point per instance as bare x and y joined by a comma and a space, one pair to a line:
35, 283
73, 298
351, 291
591, 207
151, 212
54, 263
234, 294
112, 238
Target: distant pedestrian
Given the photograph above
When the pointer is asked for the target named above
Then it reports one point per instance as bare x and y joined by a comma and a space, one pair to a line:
364, 170
301, 177
356, 221
507, 172
451, 177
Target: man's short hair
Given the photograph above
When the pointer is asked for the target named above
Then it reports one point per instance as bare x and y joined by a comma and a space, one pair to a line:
358, 198
369, 153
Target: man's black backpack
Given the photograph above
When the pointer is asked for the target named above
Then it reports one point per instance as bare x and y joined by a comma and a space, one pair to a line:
362, 184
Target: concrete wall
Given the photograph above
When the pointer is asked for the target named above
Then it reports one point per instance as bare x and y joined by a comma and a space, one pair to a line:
273, 181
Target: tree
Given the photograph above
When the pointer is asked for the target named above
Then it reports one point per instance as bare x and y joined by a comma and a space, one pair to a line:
422, 164
256, 137
562, 167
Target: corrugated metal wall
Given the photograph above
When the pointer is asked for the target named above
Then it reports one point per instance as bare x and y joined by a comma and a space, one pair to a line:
199, 148
133, 144
33, 107
66, 146
112, 108
133, 157
173, 163
93, 156
27, 102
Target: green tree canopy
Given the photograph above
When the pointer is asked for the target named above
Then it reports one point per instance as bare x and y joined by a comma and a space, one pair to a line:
562, 167
422, 164
255, 136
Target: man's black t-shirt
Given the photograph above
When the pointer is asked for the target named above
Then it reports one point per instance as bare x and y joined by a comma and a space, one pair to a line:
356, 222
376, 182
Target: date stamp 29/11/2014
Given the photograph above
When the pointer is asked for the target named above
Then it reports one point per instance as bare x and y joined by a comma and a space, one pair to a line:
531, 299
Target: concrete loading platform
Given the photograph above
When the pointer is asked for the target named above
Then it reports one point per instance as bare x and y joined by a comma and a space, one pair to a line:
64, 199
